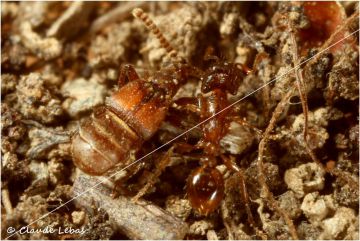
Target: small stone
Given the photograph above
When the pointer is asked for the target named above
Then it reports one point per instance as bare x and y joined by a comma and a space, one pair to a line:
183, 26
45, 48
228, 26
294, 16
211, 235
305, 178
39, 170
290, 204
56, 169
36, 100
308, 231
110, 49
83, 95
341, 225
8, 83
78, 217
343, 78
316, 207
40, 175
317, 123
200, 227
238, 139
178, 207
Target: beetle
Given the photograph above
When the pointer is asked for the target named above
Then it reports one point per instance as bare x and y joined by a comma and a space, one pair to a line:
130, 116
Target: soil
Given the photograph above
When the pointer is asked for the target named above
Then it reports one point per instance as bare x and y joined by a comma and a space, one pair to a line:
294, 137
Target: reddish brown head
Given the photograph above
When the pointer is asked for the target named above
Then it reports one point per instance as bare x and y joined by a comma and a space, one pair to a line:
224, 76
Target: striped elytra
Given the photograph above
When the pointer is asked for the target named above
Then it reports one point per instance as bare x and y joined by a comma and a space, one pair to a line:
118, 128
103, 140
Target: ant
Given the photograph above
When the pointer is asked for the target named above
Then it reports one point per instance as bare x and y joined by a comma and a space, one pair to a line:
106, 141
205, 186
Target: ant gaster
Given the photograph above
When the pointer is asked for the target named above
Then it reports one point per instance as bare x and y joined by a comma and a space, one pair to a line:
133, 114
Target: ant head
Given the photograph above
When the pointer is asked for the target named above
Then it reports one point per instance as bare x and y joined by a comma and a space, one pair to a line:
222, 75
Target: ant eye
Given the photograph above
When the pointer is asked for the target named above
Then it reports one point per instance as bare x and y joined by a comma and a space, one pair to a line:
205, 189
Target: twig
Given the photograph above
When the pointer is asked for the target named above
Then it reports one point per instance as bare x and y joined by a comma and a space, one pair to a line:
141, 220
230, 164
262, 179
301, 86
118, 14
5, 198
245, 197
75, 16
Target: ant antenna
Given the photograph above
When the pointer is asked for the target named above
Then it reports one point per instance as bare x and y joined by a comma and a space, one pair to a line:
140, 14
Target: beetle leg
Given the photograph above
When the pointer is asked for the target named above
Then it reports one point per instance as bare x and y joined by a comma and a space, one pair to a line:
152, 179
119, 190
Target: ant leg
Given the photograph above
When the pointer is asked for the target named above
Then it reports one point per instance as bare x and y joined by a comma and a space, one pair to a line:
187, 103
183, 147
243, 122
180, 148
159, 169
210, 55
230, 164
127, 73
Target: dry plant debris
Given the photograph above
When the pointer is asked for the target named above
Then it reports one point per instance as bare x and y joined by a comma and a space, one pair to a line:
291, 148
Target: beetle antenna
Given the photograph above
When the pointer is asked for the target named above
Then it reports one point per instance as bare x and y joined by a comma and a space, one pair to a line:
149, 23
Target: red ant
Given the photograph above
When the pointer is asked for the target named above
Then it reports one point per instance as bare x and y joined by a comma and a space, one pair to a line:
205, 186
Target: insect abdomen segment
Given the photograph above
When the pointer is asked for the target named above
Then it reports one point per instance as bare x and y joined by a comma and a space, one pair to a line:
103, 141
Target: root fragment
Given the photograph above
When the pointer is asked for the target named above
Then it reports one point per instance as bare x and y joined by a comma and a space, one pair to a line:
117, 14
244, 194
5, 198
262, 179
301, 87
